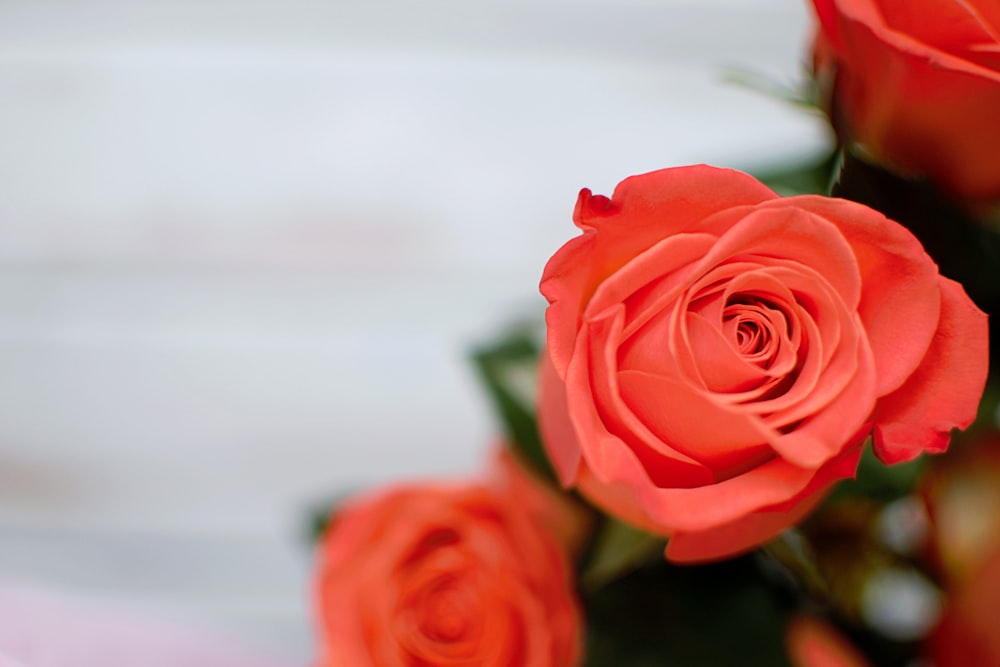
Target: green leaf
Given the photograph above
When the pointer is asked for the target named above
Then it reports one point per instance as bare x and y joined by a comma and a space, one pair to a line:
319, 516
792, 551
801, 94
813, 176
508, 370
879, 481
618, 548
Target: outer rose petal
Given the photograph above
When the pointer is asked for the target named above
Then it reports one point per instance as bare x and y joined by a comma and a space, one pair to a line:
900, 284
574, 272
698, 509
614, 441
764, 525
553, 421
944, 392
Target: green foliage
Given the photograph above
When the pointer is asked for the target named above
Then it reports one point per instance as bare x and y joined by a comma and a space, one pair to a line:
618, 549
801, 94
814, 176
319, 516
878, 481
507, 369
663, 615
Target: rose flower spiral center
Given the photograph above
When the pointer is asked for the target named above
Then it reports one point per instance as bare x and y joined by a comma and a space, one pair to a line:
444, 616
752, 327
744, 345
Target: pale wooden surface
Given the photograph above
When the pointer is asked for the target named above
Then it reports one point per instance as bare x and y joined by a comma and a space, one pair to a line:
243, 247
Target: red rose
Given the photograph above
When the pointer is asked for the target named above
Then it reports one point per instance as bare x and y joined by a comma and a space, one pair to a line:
917, 83
717, 354
437, 574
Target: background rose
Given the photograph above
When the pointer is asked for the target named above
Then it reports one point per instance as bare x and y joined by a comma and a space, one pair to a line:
812, 642
917, 83
439, 574
967, 633
962, 497
717, 354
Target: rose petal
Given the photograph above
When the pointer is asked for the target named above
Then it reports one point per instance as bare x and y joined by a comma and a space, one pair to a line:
738, 537
900, 285
779, 230
679, 360
944, 391
944, 24
666, 266
576, 269
606, 425
859, 30
651, 349
665, 511
704, 507
748, 532
692, 422
554, 423
690, 194
720, 363
567, 284
828, 431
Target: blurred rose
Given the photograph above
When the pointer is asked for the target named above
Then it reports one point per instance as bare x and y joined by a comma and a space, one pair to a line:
968, 633
717, 354
444, 574
962, 493
917, 84
814, 643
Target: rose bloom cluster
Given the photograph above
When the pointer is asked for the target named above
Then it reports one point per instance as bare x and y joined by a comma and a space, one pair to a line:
717, 358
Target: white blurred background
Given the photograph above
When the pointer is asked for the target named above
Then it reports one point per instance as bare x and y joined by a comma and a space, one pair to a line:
245, 246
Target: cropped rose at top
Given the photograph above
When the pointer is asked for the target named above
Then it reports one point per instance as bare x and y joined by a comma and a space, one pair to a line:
917, 83
717, 355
